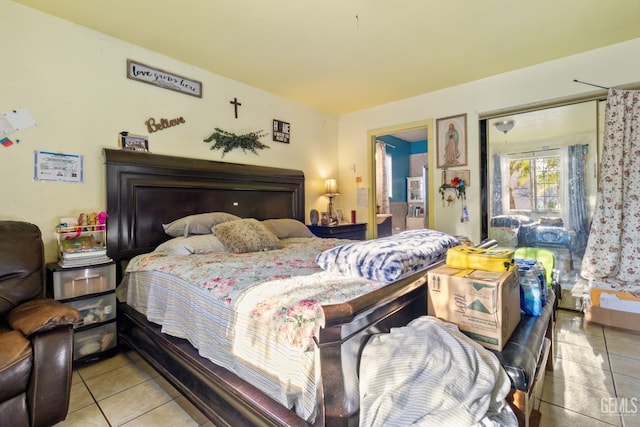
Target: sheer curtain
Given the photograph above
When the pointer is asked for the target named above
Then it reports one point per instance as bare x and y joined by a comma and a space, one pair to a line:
578, 217
382, 192
613, 248
496, 186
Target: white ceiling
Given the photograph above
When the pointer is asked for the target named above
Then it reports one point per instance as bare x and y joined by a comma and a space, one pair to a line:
412, 135
340, 56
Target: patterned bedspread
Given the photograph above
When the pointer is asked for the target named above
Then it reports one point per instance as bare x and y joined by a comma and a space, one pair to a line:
255, 314
282, 287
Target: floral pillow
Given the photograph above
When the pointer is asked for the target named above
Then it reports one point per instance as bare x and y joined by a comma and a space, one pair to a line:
197, 244
197, 224
246, 235
286, 228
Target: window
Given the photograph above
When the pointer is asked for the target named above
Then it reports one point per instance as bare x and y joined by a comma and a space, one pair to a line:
534, 183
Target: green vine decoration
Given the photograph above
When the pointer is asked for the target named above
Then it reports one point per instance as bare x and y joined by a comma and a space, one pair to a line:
227, 141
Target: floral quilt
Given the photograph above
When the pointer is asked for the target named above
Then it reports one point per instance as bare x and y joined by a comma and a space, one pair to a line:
282, 287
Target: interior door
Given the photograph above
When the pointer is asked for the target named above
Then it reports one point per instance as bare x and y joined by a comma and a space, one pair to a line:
408, 145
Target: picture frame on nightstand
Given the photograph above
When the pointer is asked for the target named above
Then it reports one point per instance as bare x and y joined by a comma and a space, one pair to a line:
324, 218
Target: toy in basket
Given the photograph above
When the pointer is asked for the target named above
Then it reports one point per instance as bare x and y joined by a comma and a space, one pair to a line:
480, 259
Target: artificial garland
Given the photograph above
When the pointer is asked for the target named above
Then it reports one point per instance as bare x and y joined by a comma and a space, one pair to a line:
227, 141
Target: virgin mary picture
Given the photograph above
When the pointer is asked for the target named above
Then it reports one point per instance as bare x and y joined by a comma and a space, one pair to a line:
452, 141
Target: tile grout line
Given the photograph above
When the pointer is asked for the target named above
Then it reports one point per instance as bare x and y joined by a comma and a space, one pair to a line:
613, 377
125, 389
96, 402
619, 418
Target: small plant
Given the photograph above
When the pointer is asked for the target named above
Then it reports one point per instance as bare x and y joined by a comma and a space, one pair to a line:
227, 141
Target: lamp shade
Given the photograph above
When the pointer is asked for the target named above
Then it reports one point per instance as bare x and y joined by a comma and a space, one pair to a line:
504, 125
331, 187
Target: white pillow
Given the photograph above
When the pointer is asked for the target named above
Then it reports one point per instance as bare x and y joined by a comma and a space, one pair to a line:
197, 244
197, 224
285, 228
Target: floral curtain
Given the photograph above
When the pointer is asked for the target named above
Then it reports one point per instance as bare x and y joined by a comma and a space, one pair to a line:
382, 192
613, 248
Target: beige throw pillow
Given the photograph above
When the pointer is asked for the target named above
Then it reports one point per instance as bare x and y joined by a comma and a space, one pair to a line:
246, 235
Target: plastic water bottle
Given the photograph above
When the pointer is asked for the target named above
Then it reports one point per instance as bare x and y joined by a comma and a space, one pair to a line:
542, 277
540, 272
530, 298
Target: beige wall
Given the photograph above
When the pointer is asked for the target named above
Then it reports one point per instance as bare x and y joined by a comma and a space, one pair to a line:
73, 81
610, 66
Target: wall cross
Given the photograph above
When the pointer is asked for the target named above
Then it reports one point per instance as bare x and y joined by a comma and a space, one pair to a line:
235, 105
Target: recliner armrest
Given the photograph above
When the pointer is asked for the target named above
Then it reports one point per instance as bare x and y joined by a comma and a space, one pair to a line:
42, 314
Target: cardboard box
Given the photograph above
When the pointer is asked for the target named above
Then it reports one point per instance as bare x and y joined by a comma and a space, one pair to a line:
618, 319
484, 304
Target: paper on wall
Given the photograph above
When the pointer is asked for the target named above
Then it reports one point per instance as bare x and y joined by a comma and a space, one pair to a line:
5, 126
16, 120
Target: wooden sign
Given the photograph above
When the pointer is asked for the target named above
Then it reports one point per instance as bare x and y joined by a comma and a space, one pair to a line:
281, 131
156, 77
155, 126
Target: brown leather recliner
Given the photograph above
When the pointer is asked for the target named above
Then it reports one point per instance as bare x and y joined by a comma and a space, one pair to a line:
36, 334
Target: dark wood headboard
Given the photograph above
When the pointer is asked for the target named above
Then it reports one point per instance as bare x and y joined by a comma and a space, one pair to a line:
146, 190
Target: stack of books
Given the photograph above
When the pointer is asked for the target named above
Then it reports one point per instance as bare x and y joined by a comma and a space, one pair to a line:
81, 251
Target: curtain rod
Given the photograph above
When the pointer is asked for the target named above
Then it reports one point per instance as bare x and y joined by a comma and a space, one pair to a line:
541, 150
385, 143
591, 84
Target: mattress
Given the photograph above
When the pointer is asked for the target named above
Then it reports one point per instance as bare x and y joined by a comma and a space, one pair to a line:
254, 314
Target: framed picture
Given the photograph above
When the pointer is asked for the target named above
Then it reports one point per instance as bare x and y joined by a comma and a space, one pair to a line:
133, 142
449, 175
451, 141
324, 218
340, 216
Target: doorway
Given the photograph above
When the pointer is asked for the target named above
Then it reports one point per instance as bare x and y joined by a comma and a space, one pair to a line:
399, 159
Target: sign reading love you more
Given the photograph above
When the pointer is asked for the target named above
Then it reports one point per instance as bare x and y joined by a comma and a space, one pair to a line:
156, 77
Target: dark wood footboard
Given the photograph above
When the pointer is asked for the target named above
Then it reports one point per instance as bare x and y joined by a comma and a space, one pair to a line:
347, 329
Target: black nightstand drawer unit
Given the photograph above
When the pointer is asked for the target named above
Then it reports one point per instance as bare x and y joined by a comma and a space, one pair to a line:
341, 231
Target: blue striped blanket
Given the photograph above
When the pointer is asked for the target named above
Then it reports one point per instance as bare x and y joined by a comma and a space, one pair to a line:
388, 258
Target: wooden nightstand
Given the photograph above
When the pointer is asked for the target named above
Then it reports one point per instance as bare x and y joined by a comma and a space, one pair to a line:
341, 231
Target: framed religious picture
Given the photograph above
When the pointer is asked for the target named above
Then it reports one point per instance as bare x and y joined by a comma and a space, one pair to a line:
451, 147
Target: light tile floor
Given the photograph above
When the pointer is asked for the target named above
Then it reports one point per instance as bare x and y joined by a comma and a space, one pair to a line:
595, 382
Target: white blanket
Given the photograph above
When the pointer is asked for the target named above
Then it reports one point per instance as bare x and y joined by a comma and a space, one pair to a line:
430, 374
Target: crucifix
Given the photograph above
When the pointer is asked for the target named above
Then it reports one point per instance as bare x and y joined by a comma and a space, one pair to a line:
235, 105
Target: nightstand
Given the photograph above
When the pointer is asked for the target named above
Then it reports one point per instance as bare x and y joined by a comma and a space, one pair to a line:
341, 231
92, 291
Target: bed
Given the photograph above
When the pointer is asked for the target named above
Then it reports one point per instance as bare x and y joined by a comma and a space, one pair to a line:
146, 190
